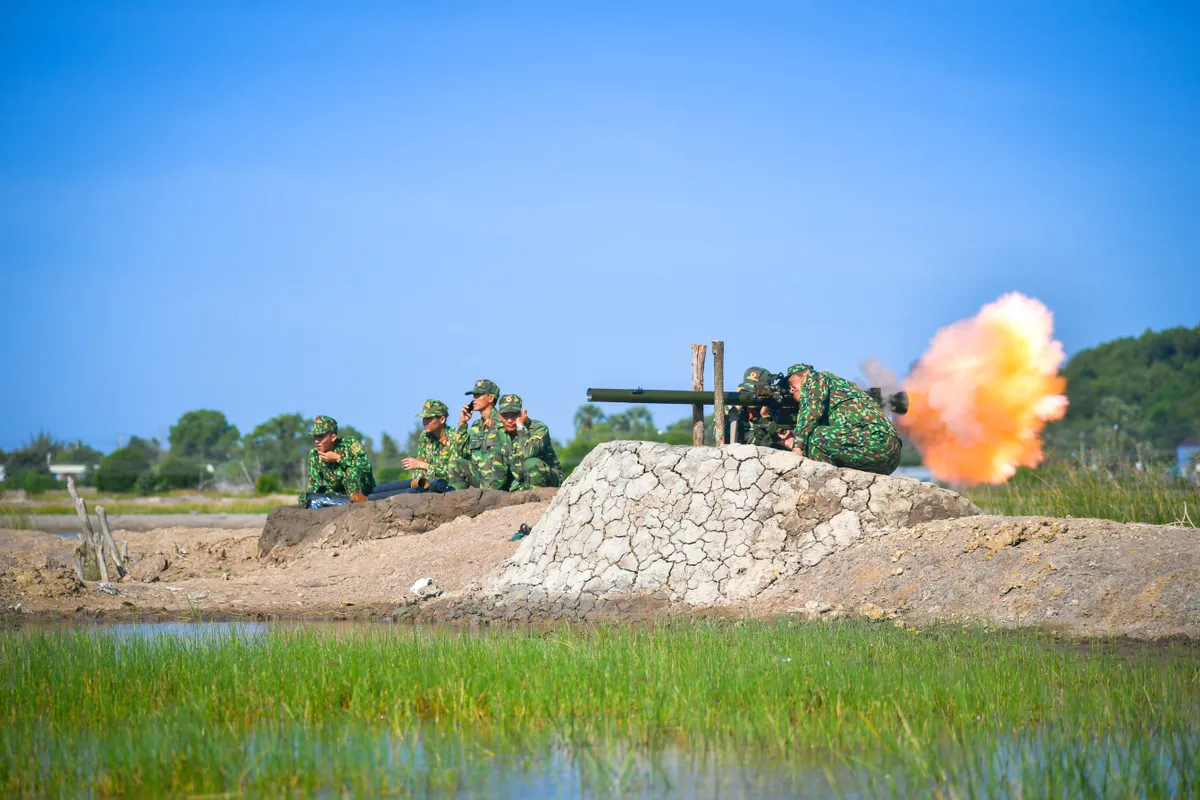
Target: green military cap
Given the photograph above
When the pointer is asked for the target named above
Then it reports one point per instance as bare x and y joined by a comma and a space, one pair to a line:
752, 379
795, 368
484, 386
510, 402
434, 408
323, 425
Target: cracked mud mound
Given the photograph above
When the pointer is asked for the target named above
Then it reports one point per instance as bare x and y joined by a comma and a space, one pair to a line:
289, 530
642, 529
702, 525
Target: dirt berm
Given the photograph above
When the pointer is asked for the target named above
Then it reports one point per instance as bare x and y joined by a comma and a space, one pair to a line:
642, 530
650, 526
289, 529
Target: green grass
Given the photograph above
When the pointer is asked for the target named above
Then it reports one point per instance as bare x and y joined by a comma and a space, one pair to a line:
965, 713
1064, 490
113, 509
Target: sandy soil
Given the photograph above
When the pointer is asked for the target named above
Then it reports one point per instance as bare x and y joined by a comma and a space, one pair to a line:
215, 572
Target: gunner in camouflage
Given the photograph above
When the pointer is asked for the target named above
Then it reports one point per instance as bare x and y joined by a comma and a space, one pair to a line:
527, 452
840, 423
337, 464
436, 449
763, 429
478, 462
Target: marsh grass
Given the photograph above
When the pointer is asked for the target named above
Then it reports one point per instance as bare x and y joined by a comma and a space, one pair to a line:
416, 711
1119, 493
122, 508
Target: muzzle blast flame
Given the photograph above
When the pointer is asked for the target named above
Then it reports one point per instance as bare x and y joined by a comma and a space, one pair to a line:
982, 393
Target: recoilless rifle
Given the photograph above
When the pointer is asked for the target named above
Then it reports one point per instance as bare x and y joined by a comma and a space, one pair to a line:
771, 393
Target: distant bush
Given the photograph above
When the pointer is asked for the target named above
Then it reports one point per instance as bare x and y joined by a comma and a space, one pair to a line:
121, 469
389, 474
32, 480
179, 472
268, 484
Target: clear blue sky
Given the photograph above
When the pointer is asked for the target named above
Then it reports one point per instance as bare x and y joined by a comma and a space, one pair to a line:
347, 208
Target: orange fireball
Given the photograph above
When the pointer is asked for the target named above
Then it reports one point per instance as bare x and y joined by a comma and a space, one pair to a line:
981, 394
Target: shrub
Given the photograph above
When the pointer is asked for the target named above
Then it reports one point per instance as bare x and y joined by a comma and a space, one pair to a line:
179, 472
389, 474
268, 484
32, 480
121, 469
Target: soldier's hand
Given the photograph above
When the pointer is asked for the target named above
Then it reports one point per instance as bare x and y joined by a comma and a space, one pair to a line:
467, 410
414, 463
524, 418
788, 439
331, 455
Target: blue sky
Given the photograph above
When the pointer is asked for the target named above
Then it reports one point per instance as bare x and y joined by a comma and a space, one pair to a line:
297, 208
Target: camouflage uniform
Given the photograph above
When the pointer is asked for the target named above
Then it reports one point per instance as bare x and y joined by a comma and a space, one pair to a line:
528, 453
762, 430
478, 462
351, 475
841, 424
440, 451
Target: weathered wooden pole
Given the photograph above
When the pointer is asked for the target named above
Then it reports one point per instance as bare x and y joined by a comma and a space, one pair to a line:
109, 542
89, 534
719, 391
699, 351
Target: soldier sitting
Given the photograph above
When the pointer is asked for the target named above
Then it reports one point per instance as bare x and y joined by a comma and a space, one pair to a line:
840, 423
478, 462
526, 449
436, 447
337, 464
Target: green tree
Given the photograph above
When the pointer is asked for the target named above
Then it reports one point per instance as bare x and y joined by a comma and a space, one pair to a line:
180, 472
121, 469
1156, 374
204, 434
280, 447
588, 416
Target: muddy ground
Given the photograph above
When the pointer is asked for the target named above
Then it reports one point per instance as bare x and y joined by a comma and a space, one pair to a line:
1084, 577
216, 573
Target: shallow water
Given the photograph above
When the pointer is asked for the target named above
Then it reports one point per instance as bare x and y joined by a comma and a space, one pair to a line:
428, 761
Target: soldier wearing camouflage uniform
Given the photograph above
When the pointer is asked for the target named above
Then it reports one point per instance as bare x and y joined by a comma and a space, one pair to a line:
840, 423
437, 447
527, 451
763, 429
337, 464
478, 462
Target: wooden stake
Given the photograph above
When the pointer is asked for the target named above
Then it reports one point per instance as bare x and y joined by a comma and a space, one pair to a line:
699, 351
719, 391
89, 534
108, 541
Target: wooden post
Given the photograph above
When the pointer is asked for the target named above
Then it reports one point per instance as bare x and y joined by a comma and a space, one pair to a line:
699, 351
719, 391
107, 540
89, 535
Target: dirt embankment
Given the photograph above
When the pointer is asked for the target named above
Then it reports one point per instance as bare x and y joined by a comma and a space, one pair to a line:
218, 574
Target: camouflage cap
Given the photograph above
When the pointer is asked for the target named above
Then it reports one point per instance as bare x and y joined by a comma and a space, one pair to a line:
752, 379
510, 402
484, 386
795, 368
434, 408
323, 425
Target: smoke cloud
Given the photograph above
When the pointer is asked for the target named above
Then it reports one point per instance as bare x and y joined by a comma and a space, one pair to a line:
982, 393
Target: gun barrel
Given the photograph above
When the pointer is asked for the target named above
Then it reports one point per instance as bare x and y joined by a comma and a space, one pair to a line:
672, 397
